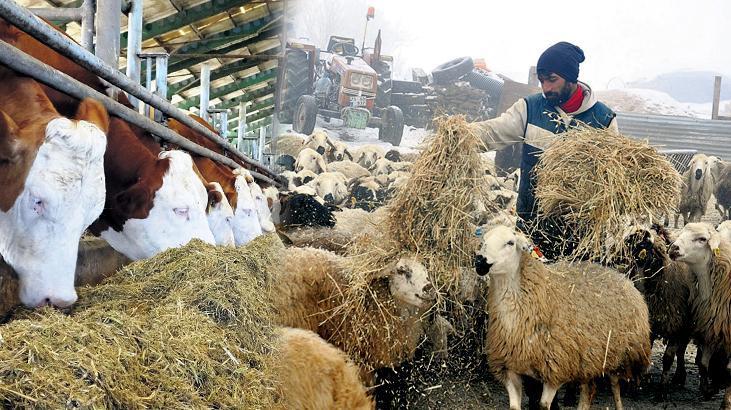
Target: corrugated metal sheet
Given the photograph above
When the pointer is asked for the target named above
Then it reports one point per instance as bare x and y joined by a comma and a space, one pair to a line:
712, 137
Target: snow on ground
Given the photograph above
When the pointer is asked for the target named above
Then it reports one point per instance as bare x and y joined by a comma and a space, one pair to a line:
645, 101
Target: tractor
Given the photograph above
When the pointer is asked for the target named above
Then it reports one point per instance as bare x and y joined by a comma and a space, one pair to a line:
335, 83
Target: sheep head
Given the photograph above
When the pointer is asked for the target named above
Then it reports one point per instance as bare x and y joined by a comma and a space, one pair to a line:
696, 244
332, 186
309, 159
318, 141
409, 282
500, 251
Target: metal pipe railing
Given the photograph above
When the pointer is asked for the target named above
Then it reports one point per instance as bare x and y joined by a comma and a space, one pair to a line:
27, 65
24, 20
59, 14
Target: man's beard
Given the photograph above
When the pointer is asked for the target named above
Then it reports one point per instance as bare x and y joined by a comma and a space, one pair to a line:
559, 98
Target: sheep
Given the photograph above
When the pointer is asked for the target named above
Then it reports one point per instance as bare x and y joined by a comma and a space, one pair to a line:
350, 169
724, 228
313, 374
723, 193
293, 180
393, 155
382, 166
410, 156
559, 324
668, 288
310, 287
367, 155
286, 162
350, 224
309, 159
366, 194
318, 141
299, 210
699, 182
306, 176
338, 151
289, 144
708, 257
331, 186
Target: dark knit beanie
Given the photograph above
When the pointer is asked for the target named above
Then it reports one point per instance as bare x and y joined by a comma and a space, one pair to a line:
563, 59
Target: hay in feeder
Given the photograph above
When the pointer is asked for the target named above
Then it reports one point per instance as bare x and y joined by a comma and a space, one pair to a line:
188, 328
598, 182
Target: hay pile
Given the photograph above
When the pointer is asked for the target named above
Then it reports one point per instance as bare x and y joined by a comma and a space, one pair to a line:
186, 329
598, 182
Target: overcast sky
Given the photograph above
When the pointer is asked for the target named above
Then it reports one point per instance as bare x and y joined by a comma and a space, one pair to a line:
623, 40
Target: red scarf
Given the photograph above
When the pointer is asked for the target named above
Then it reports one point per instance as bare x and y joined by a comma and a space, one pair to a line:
574, 102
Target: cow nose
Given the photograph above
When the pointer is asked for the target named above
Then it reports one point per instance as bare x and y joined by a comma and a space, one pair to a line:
698, 173
482, 267
321, 150
329, 198
60, 301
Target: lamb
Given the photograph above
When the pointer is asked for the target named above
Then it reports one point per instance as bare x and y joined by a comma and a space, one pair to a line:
309, 159
668, 288
309, 290
286, 162
313, 374
367, 155
559, 324
350, 224
393, 155
708, 257
331, 186
699, 183
293, 180
350, 169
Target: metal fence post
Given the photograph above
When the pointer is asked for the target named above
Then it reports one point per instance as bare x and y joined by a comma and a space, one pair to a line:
241, 132
134, 45
161, 73
205, 90
108, 18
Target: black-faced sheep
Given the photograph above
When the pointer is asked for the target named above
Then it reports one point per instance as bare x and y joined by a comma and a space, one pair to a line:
309, 292
350, 224
300, 210
365, 194
313, 374
309, 159
708, 257
559, 324
338, 151
331, 186
668, 288
393, 155
348, 168
699, 182
286, 162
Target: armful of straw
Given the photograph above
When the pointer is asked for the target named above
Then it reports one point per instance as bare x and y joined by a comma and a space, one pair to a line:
507, 129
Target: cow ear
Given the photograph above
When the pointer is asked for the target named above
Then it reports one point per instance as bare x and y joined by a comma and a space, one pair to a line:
133, 201
93, 111
270, 202
214, 196
10, 146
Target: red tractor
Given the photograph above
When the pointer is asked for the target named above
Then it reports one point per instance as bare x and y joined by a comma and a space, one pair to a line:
335, 83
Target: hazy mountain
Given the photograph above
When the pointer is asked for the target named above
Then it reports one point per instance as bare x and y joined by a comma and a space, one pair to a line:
687, 86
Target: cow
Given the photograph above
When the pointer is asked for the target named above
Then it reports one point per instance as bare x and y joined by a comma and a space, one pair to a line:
51, 171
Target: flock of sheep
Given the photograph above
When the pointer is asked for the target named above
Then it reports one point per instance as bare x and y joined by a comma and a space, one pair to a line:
558, 323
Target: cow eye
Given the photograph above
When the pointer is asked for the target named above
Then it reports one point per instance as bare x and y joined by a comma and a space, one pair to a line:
38, 205
181, 211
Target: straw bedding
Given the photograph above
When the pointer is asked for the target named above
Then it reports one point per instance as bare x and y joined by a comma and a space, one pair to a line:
599, 182
185, 329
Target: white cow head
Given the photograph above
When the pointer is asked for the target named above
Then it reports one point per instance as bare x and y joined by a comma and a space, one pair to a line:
262, 207
220, 215
62, 195
246, 225
178, 212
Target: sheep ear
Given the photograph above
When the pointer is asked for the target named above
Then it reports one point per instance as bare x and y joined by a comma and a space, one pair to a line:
348, 154
714, 241
322, 164
523, 243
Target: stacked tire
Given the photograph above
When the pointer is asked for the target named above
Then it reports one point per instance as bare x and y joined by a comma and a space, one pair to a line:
410, 97
460, 89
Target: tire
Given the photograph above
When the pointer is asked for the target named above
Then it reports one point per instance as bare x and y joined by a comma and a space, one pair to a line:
296, 83
484, 82
392, 126
450, 71
408, 99
401, 86
305, 115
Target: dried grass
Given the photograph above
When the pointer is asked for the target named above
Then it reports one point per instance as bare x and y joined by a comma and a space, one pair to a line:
188, 328
598, 182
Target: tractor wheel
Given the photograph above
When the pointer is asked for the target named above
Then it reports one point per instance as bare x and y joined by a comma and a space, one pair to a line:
392, 126
296, 80
450, 71
305, 115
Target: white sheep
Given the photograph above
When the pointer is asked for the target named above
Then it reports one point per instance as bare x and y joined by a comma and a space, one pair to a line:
305, 176
319, 142
331, 186
383, 166
561, 323
350, 169
309, 290
309, 159
292, 179
311, 373
724, 228
699, 182
708, 256
367, 155
338, 151
350, 225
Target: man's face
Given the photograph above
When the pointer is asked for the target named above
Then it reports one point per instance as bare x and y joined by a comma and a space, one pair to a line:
556, 90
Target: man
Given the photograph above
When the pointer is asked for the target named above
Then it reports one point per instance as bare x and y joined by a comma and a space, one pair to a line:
536, 121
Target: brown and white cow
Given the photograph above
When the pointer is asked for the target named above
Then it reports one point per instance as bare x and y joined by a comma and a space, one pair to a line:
51, 171
154, 202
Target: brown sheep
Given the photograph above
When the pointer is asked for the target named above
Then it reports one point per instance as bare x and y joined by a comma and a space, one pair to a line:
708, 256
313, 374
668, 288
309, 291
560, 323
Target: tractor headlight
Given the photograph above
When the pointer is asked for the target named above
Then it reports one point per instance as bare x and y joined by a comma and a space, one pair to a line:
361, 81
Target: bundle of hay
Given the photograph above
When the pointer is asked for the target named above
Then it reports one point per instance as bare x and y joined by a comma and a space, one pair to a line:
185, 329
598, 182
